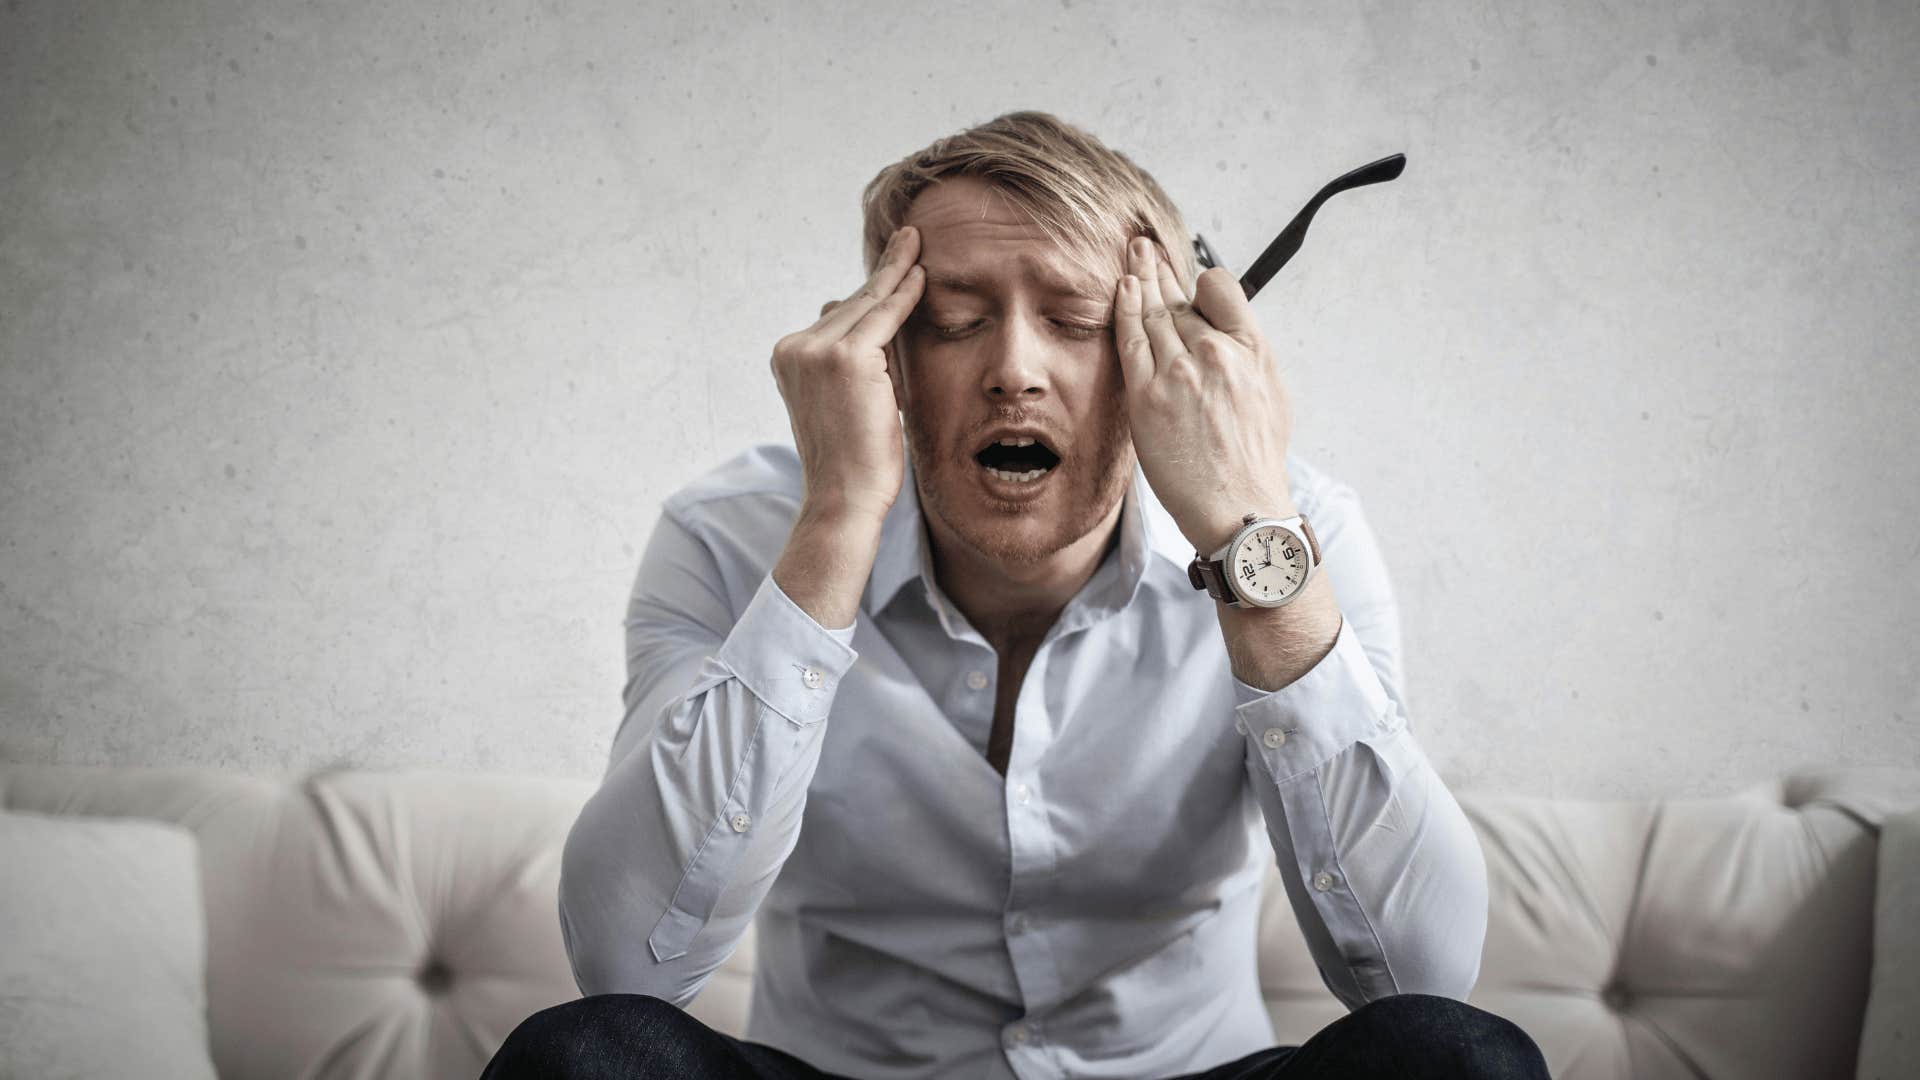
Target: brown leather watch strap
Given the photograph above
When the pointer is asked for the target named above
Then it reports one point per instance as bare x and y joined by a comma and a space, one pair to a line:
1210, 575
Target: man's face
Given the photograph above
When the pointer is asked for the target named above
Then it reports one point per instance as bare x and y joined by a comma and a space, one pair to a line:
1010, 335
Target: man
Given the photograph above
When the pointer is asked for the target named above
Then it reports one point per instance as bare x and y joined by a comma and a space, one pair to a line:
950, 722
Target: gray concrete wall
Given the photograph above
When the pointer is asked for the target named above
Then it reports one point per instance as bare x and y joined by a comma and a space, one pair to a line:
346, 351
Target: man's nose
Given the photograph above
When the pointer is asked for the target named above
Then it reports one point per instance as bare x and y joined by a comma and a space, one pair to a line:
1016, 362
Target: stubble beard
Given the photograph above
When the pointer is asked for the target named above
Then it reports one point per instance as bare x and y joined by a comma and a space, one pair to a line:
1100, 473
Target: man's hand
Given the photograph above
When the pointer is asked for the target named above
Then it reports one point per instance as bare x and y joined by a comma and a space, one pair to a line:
846, 427
1211, 420
833, 378
1210, 416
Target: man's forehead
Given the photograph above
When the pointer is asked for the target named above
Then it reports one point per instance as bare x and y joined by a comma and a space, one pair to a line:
974, 237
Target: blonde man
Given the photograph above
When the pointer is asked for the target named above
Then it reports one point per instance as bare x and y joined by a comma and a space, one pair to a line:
994, 734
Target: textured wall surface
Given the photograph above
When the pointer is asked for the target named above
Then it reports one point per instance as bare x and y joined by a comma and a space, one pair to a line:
346, 353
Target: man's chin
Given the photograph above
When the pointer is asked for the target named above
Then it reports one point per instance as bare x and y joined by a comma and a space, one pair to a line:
1012, 534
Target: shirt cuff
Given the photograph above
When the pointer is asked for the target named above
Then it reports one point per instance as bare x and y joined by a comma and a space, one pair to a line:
785, 657
1309, 721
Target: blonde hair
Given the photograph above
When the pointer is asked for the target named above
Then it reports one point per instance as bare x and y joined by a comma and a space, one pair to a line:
1086, 197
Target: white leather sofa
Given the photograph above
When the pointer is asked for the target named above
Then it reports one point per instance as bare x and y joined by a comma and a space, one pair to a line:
365, 924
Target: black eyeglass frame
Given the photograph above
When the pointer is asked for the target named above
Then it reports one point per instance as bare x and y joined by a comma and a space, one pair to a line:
1286, 245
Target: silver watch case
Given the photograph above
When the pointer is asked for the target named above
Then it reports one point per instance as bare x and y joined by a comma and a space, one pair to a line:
1248, 525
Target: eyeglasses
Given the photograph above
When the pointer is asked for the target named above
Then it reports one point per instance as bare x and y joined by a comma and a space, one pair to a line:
1287, 244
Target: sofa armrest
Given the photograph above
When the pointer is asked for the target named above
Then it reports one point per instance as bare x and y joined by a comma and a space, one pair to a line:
1890, 1035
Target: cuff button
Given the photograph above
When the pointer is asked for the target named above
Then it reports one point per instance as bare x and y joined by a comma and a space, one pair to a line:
812, 677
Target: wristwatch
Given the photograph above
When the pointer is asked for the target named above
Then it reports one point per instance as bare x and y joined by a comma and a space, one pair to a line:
1266, 564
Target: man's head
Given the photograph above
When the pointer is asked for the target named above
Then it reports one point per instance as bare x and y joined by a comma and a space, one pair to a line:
1023, 227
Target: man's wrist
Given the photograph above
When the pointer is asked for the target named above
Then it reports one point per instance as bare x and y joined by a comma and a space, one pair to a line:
837, 512
828, 557
1269, 648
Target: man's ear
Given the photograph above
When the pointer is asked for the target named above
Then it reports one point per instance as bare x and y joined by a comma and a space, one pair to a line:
893, 374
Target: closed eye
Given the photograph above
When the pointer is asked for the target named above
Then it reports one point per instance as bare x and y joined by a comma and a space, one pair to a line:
1071, 329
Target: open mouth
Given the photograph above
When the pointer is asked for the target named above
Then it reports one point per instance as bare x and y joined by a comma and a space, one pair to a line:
1017, 459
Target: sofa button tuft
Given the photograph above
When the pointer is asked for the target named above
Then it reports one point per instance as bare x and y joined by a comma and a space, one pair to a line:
1616, 996
434, 977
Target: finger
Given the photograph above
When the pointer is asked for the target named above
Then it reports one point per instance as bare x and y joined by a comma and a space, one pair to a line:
1219, 297
1136, 353
1165, 338
1187, 322
902, 252
882, 321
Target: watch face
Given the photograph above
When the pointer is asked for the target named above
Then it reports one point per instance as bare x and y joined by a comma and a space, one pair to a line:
1269, 565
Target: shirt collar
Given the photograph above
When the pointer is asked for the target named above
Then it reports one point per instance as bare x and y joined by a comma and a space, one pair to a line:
1145, 529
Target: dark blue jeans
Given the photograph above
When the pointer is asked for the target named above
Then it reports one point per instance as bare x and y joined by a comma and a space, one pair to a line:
635, 1037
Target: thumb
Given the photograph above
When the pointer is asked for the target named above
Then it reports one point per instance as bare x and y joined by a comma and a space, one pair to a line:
1218, 296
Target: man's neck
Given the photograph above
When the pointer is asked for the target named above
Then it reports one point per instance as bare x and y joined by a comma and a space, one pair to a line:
1013, 605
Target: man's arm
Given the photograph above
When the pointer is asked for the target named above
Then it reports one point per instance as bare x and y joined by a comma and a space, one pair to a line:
707, 783
1384, 872
707, 780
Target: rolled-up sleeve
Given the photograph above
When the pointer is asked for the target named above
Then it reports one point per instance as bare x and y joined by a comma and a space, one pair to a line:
1382, 868
706, 784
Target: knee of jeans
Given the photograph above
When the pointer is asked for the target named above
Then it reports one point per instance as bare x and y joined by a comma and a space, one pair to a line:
1439, 1028
571, 1038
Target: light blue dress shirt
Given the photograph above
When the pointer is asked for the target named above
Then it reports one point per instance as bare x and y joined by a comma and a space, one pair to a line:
1090, 914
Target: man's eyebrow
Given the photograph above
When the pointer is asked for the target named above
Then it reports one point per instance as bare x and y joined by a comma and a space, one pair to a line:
960, 281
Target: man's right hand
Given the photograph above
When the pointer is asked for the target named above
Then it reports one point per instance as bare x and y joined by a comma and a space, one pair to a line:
846, 427
833, 377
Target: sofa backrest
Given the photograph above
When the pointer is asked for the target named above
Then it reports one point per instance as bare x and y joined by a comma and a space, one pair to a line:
401, 923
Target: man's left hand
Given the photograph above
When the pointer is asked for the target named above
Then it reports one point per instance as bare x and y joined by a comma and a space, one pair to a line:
1210, 415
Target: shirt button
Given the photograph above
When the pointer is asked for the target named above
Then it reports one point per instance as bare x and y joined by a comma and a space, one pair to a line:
1023, 793
1274, 737
1239, 726
1017, 922
1323, 881
812, 677
976, 680
741, 822
1019, 1034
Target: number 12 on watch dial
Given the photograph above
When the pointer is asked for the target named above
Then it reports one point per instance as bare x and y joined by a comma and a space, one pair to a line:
1270, 563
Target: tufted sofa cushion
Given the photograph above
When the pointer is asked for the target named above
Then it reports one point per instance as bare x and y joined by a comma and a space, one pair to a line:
360, 924
401, 924
1725, 937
